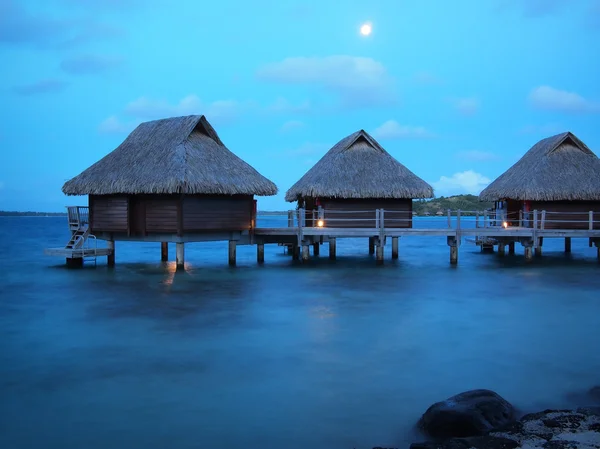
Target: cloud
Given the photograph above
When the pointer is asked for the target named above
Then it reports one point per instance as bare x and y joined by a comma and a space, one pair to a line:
426, 78
41, 87
477, 156
21, 27
218, 111
548, 129
461, 183
358, 81
393, 130
551, 99
307, 149
90, 64
282, 105
112, 125
533, 8
292, 125
466, 106
146, 108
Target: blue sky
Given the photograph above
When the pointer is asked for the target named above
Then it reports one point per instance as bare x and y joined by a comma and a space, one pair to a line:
456, 91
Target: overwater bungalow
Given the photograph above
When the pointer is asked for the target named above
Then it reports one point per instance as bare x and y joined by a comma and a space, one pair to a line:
171, 180
354, 179
559, 178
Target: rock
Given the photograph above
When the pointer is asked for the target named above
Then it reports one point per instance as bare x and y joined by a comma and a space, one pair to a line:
481, 442
467, 414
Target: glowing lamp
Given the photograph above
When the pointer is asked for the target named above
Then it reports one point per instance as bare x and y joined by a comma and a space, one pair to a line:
320, 223
505, 224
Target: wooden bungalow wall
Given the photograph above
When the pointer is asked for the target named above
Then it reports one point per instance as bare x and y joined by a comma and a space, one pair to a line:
565, 219
139, 215
360, 213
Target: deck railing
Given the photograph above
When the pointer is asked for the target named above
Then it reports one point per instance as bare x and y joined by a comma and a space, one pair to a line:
78, 215
455, 219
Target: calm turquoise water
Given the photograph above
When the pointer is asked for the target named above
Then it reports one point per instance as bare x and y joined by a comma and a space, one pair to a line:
332, 355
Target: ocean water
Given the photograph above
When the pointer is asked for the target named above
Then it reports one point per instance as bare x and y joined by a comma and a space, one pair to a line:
329, 354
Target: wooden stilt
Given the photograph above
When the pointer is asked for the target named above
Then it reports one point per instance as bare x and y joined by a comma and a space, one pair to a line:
379, 253
332, 248
74, 262
179, 255
371, 245
295, 252
164, 251
528, 253
232, 252
598, 251
538, 248
501, 249
260, 253
453, 254
110, 259
305, 253
567, 244
511, 248
394, 247
316, 248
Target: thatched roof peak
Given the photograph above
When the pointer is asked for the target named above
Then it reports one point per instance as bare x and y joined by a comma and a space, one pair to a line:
172, 155
559, 167
359, 167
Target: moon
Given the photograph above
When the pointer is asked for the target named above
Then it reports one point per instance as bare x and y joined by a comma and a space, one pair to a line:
365, 29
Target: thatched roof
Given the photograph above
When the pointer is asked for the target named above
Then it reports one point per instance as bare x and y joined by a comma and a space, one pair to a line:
173, 155
557, 168
358, 167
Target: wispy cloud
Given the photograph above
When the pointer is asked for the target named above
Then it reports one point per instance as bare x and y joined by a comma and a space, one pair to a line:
467, 182
357, 81
292, 125
90, 64
308, 149
426, 78
466, 106
284, 106
551, 99
113, 125
41, 87
533, 8
477, 156
394, 130
19, 26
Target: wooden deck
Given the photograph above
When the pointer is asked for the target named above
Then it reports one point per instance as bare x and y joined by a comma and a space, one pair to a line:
81, 253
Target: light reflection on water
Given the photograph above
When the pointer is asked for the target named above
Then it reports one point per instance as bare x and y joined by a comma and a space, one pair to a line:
332, 354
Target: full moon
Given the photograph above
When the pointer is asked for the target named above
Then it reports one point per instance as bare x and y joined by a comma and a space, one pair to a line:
366, 29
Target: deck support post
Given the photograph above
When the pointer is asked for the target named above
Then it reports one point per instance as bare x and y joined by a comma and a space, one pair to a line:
501, 249
371, 245
316, 248
528, 251
453, 244
295, 252
260, 253
511, 248
179, 255
74, 262
305, 253
567, 244
395, 247
332, 248
379, 252
110, 259
538, 247
232, 252
164, 251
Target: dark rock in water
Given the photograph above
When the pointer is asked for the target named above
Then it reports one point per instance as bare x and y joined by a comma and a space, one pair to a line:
589, 411
481, 442
471, 413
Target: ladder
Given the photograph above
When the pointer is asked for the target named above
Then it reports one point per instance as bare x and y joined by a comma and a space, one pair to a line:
80, 233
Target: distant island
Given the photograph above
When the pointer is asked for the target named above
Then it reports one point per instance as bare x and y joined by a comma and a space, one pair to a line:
8, 213
440, 206
436, 206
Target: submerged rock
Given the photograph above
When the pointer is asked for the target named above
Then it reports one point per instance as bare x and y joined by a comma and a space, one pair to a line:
467, 414
550, 429
594, 394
